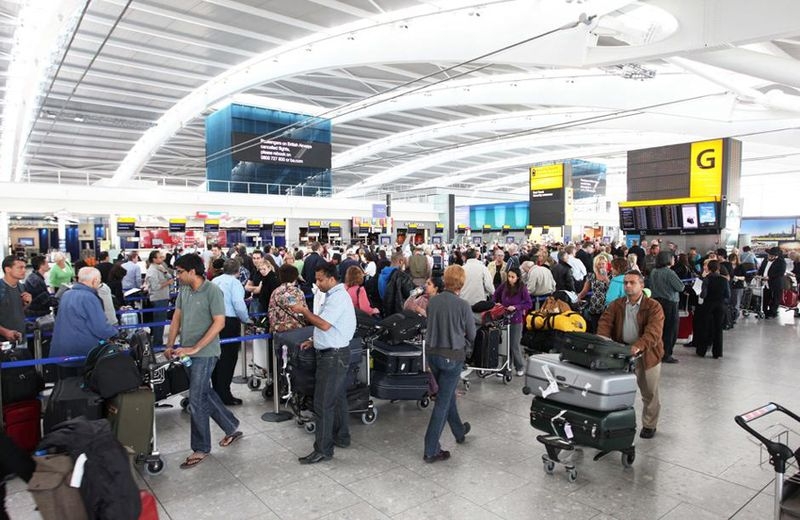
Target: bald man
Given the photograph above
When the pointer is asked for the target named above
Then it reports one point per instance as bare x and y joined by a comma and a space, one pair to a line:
81, 322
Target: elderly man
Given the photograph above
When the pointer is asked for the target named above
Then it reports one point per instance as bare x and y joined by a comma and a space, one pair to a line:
478, 283
638, 321
538, 279
81, 322
773, 269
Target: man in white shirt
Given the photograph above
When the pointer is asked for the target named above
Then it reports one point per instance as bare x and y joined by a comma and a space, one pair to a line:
578, 269
478, 285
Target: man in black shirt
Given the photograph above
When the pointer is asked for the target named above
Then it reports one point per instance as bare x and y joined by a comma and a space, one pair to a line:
104, 265
13, 299
41, 299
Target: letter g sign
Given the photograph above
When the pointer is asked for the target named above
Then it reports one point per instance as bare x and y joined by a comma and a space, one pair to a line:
706, 160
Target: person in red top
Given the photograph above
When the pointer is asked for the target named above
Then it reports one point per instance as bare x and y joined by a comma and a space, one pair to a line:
353, 282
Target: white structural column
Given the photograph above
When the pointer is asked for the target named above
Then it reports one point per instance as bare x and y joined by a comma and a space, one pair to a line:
112, 231
5, 236
62, 234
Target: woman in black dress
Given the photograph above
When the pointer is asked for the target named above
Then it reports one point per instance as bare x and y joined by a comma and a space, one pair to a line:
716, 293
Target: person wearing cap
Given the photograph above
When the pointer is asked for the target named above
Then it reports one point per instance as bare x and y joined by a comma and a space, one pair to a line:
773, 269
666, 288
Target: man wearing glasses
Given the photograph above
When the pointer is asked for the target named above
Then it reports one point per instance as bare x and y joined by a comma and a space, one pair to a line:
199, 317
638, 321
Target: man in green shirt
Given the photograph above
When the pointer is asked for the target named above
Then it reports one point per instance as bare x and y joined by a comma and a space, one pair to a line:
199, 317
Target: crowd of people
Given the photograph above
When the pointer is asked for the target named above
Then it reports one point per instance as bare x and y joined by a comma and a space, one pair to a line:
632, 295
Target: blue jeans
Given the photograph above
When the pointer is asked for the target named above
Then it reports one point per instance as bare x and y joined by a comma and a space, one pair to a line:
205, 403
158, 331
330, 399
447, 374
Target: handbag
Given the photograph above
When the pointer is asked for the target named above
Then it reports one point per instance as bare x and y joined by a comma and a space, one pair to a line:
433, 385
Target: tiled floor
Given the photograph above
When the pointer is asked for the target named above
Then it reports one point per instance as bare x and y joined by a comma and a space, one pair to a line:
699, 466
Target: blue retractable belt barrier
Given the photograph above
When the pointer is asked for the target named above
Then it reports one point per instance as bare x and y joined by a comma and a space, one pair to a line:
70, 359
142, 311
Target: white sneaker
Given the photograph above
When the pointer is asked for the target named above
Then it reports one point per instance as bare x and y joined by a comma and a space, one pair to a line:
466, 373
520, 373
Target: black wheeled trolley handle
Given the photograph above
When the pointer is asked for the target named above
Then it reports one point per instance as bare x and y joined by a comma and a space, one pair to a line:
779, 453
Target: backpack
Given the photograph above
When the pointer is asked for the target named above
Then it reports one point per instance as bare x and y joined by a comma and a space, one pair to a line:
110, 370
371, 286
107, 488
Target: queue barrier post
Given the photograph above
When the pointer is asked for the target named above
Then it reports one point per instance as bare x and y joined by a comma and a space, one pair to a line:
242, 379
277, 415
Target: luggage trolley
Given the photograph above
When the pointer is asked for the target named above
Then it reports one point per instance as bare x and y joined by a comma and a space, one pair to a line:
781, 457
502, 320
753, 298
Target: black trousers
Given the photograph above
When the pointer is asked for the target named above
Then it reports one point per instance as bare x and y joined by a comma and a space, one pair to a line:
670, 333
222, 375
715, 317
772, 297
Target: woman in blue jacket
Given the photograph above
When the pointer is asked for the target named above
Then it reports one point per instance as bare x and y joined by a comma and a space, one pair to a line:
616, 288
514, 296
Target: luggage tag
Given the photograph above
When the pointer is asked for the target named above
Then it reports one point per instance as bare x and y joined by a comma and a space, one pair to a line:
552, 387
77, 471
568, 431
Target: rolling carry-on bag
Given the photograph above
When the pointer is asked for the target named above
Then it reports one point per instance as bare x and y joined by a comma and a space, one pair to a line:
20, 383
685, 327
70, 400
601, 391
131, 418
404, 387
401, 327
486, 348
23, 423
403, 358
604, 431
789, 298
593, 351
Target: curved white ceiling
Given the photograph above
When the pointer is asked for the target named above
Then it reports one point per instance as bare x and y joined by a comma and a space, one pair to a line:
372, 73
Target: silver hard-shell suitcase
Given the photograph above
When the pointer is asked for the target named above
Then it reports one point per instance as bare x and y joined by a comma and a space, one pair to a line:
600, 391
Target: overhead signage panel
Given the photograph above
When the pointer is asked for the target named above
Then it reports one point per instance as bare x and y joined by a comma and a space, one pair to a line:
281, 151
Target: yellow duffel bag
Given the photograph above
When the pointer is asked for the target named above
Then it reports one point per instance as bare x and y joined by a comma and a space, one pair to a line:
565, 322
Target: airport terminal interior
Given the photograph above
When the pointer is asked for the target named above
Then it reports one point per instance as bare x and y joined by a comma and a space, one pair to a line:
442, 128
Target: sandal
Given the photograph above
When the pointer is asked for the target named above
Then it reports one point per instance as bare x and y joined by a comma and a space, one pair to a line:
230, 439
192, 461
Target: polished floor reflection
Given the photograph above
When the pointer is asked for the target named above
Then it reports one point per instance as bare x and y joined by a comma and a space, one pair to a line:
700, 465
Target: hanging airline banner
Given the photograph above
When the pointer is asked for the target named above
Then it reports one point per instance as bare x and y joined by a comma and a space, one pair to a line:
462, 229
253, 226
439, 227
177, 225
547, 194
279, 226
335, 229
705, 169
313, 227
126, 226
211, 226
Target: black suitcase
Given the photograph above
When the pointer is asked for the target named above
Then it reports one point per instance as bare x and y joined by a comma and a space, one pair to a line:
604, 431
404, 358
20, 383
485, 350
401, 327
592, 351
358, 398
69, 400
176, 380
402, 387
539, 341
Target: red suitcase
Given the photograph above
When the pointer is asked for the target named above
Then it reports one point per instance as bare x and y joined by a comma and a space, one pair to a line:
24, 423
685, 327
789, 298
149, 509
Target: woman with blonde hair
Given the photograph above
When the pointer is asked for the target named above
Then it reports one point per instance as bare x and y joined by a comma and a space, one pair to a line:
597, 282
62, 272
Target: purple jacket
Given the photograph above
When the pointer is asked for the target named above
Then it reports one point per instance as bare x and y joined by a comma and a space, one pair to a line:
521, 301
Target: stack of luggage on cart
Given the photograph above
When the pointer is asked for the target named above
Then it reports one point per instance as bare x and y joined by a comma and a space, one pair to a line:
546, 326
297, 375
101, 421
583, 397
398, 371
